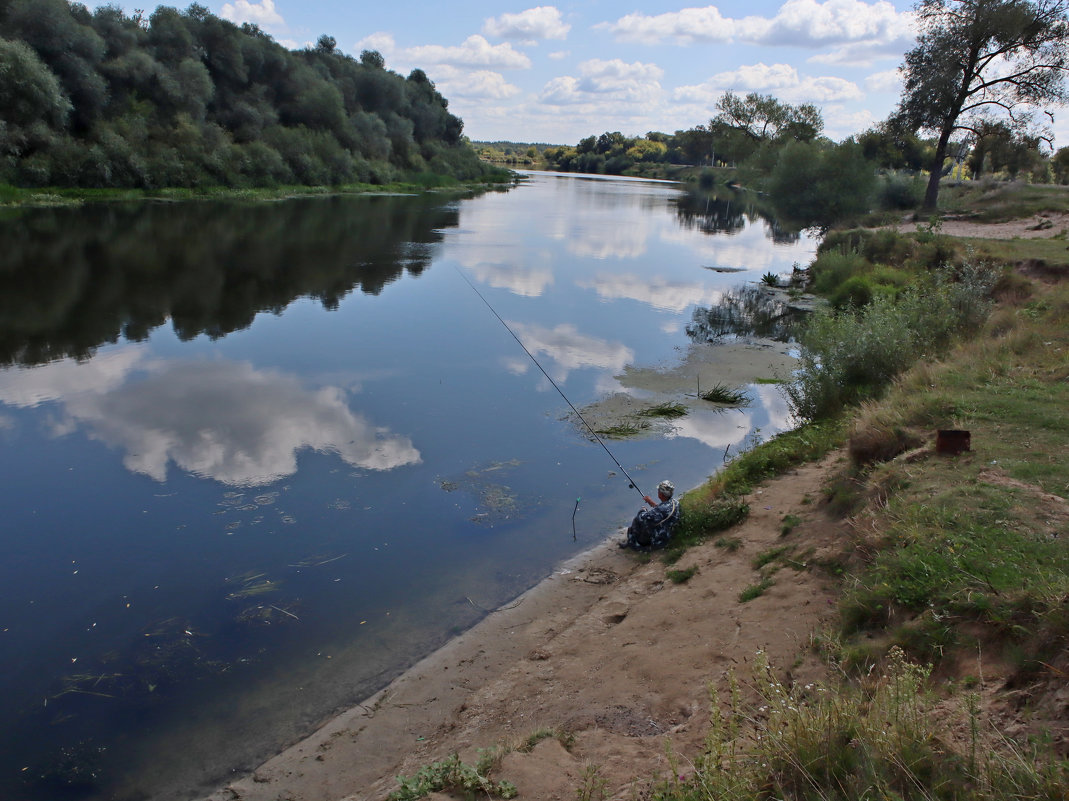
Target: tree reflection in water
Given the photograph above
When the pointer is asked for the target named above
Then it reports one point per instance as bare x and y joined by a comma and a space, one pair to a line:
726, 211
747, 311
73, 279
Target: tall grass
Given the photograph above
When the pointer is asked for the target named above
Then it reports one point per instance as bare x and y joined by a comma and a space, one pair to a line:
880, 740
853, 355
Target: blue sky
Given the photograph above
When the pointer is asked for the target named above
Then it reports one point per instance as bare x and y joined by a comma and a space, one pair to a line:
558, 73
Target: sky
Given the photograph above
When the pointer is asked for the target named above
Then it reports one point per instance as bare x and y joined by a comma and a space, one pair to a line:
558, 73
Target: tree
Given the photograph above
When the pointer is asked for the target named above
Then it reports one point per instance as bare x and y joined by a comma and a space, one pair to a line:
976, 56
1060, 163
763, 117
32, 102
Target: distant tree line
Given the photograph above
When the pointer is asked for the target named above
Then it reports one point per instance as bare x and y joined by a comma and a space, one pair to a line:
184, 98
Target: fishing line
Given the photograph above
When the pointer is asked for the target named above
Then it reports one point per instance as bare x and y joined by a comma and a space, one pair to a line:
593, 433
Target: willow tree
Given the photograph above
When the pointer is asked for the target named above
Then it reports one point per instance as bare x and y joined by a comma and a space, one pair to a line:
984, 58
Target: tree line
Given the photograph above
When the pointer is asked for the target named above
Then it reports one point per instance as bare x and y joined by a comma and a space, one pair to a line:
184, 98
980, 83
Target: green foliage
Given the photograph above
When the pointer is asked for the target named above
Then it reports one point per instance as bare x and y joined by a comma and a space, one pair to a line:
821, 185
852, 355
896, 192
728, 396
700, 518
450, 775
883, 739
666, 410
188, 99
755, 590
979, 58
777, 455
681, 576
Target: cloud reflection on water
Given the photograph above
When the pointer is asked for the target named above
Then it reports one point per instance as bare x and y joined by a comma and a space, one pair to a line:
658, 292
223, 420
528, 282
571, 350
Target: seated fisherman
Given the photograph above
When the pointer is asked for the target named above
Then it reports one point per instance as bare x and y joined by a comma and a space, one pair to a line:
652, 528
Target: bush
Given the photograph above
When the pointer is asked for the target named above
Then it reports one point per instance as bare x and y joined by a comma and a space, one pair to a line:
819, 185
851, 355
896, 192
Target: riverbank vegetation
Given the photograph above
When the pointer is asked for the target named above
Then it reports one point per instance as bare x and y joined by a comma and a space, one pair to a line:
100, 99
953, 616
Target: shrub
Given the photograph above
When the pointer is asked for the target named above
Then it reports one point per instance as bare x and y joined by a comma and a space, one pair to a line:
852, 355
897, 191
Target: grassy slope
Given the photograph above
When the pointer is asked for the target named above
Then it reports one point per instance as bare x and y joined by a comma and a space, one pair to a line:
954, 616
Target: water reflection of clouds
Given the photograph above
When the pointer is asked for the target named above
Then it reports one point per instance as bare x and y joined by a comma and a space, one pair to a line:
26, 387
775, 405
529, 282
656, 291
608, 240
749, 249
717, 430
571, 350
222, 420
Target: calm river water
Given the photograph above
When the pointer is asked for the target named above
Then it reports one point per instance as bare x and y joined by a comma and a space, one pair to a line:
259, 458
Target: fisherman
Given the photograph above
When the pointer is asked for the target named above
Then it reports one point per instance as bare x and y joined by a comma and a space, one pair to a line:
652, 528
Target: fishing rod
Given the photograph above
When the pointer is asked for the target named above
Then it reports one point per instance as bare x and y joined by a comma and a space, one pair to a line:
593, 433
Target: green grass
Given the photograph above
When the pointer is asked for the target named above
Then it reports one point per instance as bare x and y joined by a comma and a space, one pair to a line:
996, 201
783, 452
789, 523
883, 740
1011, 251
50, 196
623, 430
755, 590
667, 410
728, 396
681, 576
452, 776
769, 556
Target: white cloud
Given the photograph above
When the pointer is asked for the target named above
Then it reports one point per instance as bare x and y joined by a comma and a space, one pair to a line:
658, 292
614, 80
808, 23
382, 42
532, 25
782, 80
799, 23
262, 13
886, 81
221, 420
474, 52
27, 387
571, 350
476, 84
687, 26
528, 282
559, 55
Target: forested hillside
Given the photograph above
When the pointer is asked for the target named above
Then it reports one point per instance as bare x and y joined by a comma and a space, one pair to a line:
184, 98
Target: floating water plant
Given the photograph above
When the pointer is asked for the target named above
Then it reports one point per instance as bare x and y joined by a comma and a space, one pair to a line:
725, 395
621, 430
669, 410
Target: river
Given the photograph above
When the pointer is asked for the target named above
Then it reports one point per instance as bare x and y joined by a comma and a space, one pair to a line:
258, 458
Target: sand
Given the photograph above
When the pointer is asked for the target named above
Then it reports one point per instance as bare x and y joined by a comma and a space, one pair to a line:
606, 649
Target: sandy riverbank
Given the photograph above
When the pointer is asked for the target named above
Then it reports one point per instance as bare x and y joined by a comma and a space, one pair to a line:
606, 649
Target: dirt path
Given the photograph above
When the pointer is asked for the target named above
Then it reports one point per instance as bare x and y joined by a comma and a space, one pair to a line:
607, 650
1039, 226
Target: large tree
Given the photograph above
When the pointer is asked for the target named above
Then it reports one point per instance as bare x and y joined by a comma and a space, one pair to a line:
763, 117
977, 58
